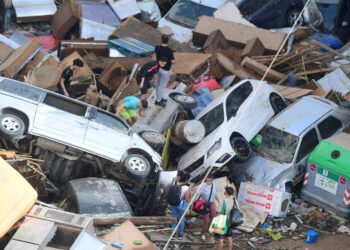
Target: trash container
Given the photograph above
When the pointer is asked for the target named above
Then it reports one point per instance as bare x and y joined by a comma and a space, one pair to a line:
327, 177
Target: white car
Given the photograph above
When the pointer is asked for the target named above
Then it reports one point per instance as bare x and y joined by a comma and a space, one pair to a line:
28, 110
288, 139
183, 16
231, 121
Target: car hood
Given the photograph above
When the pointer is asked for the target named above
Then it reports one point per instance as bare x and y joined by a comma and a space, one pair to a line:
262, 171
200, 149
181, 34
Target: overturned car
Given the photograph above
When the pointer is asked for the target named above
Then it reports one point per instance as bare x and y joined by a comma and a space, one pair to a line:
78, 140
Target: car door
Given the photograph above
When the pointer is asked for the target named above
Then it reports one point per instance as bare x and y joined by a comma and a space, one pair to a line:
308, 143
61, 118
107, 135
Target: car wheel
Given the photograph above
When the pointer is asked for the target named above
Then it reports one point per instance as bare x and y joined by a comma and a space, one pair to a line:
137, 166
242, 148
188, 102
11, 126
154, 139
292, 16
277, 103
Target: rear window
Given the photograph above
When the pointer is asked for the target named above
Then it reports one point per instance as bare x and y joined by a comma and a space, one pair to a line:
20, 89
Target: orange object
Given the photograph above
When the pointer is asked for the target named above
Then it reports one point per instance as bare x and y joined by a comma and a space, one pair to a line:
17, 196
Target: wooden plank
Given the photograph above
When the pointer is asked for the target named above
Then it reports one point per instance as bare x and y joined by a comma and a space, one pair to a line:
324, 46
189, 63
141, 220
261, 69
234, 68
292, 93
236, 33
254, 47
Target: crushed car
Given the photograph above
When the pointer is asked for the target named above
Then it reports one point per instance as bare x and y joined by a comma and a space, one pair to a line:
231, 121
77, 140
288, 139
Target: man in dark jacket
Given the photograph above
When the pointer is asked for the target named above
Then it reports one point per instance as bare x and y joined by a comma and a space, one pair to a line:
64, 87
163, 75
146, 74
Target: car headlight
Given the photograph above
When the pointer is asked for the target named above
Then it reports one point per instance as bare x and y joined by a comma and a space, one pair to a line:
214, 148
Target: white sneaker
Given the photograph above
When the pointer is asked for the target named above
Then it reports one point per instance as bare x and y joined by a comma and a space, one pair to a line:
203, 237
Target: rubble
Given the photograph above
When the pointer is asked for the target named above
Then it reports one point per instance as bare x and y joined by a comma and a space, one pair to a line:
120, 207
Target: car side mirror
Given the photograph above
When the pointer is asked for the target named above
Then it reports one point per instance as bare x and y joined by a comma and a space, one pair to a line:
130, 132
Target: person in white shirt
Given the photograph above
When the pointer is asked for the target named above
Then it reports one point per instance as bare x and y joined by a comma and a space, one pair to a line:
208, 193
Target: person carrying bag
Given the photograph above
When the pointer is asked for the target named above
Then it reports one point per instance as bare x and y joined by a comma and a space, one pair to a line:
207, 193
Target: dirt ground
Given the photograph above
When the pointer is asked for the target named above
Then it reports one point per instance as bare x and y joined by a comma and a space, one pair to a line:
329, 242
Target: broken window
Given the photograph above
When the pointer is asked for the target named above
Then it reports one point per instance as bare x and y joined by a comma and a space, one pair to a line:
213, 119
308, 144
111, 121
186, 13
329, 126
65, 104
278, 145
236, 98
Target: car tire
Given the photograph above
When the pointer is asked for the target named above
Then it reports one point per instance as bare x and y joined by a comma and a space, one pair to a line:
137, 166
292, 16
11, 126
242, 149
186, 101
154, 139
277, 103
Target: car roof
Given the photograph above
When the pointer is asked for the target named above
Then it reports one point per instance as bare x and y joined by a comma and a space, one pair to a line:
222, 97
302, 114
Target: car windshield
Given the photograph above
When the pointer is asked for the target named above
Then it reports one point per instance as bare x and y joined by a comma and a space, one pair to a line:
186, 13
213, 119
278, 145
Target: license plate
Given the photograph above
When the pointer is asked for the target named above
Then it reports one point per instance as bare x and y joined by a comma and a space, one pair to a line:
326, 183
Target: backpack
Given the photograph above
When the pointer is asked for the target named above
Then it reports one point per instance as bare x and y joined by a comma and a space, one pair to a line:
174, 195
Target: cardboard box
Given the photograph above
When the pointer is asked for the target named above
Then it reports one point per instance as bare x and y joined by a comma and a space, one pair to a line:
126, 233
264, 199
65, 18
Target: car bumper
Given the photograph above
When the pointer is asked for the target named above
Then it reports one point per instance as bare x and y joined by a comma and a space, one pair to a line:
217, 160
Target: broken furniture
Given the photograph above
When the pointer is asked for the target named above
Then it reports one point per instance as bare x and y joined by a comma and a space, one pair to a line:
53, 228
65, 18
34, 11
237, 34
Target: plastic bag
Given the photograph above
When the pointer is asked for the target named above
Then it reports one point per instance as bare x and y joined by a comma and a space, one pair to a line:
219, 224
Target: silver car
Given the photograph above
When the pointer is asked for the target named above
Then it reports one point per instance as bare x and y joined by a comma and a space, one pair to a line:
289, 138
28, 110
